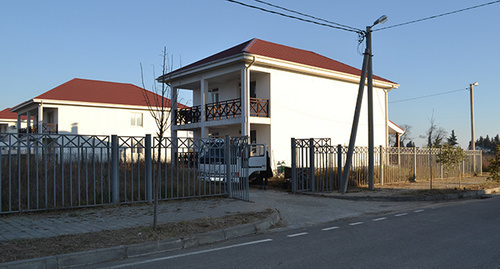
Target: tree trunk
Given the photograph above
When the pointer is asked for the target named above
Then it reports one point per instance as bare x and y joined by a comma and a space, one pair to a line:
157, 187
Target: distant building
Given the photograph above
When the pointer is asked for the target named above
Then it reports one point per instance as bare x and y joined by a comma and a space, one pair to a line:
8, 121
90, 107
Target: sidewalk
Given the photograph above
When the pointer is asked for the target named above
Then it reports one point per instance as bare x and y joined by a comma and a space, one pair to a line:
295, 211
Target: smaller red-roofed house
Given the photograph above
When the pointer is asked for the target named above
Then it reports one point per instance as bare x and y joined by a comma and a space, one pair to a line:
90, 107
271, 93
8, 121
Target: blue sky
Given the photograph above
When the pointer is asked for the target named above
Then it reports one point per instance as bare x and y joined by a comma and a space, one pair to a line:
46, 43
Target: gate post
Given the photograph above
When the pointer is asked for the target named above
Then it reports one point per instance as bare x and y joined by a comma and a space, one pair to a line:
149, 171
294, 167
227, 158
414, 163
339, 164
115, 187
311, 163
381, 160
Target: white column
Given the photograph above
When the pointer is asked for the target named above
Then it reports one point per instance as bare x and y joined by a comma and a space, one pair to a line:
203, 94
28, 121
40, 118
18, 122
173, 110
386, 119
245, 102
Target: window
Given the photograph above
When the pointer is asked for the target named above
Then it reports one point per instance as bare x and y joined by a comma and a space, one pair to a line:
136, 119
253, 89
253, 136
214, 95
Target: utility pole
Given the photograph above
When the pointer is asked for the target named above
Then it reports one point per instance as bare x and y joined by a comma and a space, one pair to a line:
367, 68
473, 139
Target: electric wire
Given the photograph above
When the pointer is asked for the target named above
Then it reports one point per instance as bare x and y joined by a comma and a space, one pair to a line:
297, 18
437, 16
306, 15
427, 96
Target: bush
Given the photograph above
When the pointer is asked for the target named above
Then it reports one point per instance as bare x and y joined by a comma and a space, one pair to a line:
495, 166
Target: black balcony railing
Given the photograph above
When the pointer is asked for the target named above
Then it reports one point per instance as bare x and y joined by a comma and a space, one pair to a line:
259, 107
47, 128
222, 110
188, 115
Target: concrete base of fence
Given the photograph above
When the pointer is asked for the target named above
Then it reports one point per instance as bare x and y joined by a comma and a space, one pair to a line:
123, 252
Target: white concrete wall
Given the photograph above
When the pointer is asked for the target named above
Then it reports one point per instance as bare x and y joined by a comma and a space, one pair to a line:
304, 106
103, 121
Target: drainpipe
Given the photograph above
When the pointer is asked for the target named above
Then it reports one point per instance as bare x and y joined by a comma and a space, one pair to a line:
246, 99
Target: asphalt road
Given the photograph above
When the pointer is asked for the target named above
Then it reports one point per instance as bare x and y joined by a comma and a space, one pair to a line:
463, 234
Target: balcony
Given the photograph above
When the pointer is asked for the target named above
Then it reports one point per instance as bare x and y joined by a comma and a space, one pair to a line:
222, 110
47, 128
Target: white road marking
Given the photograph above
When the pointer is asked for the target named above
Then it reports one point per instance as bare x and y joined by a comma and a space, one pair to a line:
379, 219
400, 215
294, 235
191, 253
418, 211
330, 228
356, 223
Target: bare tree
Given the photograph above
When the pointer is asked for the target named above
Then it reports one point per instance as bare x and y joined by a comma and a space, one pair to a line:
406, 137
160, 109
435, 135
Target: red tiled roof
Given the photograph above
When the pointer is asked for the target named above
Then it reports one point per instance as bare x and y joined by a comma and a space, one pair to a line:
6, 114
281, 52
94, 91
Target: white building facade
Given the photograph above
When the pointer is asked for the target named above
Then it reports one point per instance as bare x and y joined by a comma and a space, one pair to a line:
272, 93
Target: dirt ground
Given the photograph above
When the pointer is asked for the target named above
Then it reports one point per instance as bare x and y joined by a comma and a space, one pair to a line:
25, 249
426, 187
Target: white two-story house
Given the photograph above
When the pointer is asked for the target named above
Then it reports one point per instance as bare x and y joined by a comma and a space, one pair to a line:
271, 93
90, 107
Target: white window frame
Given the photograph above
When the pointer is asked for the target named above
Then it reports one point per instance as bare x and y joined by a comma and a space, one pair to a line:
136, 119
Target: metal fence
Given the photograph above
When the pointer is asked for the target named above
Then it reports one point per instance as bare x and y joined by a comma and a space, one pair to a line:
317, 165
49, 171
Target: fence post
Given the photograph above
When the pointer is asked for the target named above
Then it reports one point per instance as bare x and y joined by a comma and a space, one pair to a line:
414, 163
149, 171
311, 163
440, 167
381, 165
339, 164
115, 159
227, 154
480, 163
294, 167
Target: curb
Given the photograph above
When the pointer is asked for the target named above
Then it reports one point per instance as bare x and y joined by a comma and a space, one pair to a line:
129, 251
450, 196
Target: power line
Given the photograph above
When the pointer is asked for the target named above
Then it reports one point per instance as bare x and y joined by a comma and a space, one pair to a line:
437, 16
306, 15
427, 96
298, 18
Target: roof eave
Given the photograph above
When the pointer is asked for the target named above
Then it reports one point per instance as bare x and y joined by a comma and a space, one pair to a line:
22, 105
174, 75
272, 62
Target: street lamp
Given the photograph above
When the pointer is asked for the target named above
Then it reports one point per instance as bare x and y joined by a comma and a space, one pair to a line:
473, 140
367, 68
